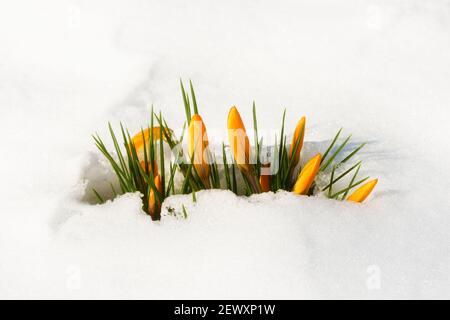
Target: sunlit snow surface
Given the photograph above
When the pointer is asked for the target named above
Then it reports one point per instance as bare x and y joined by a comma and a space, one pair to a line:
380, 69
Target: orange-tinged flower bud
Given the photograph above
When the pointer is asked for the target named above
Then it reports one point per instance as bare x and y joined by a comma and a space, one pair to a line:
198, 144
238, 139
264, 182
363, 192
155, 166
154, 207
138, 139
299, 133
307, 175
264, 179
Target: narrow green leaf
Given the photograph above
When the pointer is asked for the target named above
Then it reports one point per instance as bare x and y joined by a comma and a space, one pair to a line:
194, 100
256, 141
185, 214
343, 175
225, 167
353, 153
349, 188
291, 162
351, 182
187, 107
336, 137
233, 175
98, 196
113, 190
330, 190
118, 151
335, 154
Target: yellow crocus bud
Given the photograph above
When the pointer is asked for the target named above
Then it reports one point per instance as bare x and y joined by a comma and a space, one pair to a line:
264, 179
363, 192
238, 139
299, 133
198, 144
307, 175
155, 167
143, 137
264, 183
138, 139
154, 207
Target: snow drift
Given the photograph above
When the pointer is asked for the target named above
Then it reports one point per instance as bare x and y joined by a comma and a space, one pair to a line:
378, 68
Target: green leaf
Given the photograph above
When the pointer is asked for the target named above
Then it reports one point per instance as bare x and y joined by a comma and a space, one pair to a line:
349, 188
162, 169
98, 196
291, 162
256, 141
353, 153
233, 175
118, 151
185, 214
343, 175
194, 100
330, 190
351, 182
113, 190
187, 107
336, 137
335, 154
225, 167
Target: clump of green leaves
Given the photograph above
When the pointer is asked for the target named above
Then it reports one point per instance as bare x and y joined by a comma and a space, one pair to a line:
136, 173
136, 167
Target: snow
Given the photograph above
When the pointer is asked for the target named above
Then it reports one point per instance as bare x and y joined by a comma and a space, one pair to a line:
378, 68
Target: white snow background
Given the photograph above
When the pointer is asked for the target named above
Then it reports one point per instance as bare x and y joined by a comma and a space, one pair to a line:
380, 69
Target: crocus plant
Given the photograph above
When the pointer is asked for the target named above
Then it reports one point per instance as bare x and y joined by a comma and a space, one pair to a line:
140, 163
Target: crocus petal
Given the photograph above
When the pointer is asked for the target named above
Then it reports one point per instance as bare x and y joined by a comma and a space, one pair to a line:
138, 139
238, 139
307, 175
153, 206
155, 166
264, 182
299, 130
363, 192
197, 145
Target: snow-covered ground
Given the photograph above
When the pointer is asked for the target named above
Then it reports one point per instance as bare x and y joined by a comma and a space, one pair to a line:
380, 69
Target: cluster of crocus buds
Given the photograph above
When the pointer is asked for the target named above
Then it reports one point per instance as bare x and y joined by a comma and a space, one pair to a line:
141, 142
262, 168
240, 147
302, 183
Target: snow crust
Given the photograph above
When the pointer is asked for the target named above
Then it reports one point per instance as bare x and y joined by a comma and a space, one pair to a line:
380, 69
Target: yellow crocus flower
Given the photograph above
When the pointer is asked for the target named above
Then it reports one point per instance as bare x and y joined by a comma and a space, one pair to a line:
198, 144
363, 192
138, 140
154, 207
299, 130
307, 175
155, 167
238, 139
264, 183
